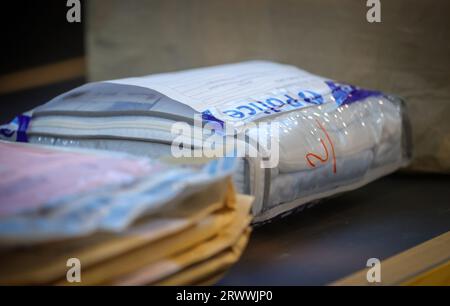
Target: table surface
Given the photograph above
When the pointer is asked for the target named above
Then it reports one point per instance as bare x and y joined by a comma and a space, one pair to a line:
336, 237
330, 240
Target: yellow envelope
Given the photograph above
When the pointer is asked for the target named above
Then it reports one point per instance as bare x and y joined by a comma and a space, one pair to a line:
154, 252
227, 237
209, 267
47, 263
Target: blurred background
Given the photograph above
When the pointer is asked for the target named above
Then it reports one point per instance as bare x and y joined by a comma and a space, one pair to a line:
406, 54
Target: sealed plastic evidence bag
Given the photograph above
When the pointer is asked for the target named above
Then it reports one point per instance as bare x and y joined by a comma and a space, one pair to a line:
314, 137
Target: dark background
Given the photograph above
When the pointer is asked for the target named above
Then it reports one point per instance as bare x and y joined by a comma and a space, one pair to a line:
36, 33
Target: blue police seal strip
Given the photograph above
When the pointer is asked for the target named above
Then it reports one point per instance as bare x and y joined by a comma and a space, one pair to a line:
16, 130
24, 122
345, 94
252, 110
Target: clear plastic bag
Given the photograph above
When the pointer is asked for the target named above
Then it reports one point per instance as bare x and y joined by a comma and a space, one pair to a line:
331, 137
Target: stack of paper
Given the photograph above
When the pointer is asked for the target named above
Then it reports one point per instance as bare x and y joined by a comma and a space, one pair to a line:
120, 220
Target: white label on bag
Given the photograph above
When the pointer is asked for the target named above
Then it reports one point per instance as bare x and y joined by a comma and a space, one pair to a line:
238, 92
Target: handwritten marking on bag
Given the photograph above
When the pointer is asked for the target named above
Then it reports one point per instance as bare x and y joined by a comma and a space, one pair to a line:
324, 159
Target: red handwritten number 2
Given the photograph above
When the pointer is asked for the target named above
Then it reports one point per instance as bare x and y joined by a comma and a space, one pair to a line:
322, 159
